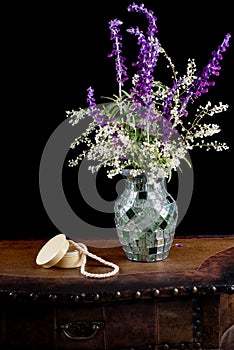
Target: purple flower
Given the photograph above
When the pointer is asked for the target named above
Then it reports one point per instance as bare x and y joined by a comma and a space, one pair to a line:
203, 82
90, 97
94, 111
147, 57
152, 28
121, 69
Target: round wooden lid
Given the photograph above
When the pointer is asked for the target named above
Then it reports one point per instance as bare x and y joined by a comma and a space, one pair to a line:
53, 251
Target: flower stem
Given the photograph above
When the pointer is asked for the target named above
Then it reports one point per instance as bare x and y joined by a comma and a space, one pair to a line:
119, 65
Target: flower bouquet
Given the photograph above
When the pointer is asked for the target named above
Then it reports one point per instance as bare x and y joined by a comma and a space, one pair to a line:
149, 125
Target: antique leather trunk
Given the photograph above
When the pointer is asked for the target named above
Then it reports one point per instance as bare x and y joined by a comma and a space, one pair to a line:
183, 302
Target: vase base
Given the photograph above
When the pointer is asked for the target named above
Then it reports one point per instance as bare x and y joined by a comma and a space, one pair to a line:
142, 257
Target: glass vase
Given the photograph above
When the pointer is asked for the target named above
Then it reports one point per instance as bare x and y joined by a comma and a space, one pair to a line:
145, 218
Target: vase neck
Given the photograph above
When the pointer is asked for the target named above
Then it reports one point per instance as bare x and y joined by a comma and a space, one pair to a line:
143, 181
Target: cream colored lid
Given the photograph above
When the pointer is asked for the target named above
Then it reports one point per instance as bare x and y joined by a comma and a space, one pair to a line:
53, 251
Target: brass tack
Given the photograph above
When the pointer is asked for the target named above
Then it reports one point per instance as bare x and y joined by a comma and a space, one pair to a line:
176, 291
195, 290
156, 293
198, 345
166, 347
230, 289
198, 334
138, 295
34, 296
75, 298
13, 295
53, 297
213, 289
96, 297
117, 295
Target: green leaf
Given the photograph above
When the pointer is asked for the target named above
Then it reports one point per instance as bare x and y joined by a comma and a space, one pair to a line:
109, 98
188, 162
126, 93
168, 170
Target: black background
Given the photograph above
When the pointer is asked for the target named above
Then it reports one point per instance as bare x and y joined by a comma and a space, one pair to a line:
52, 54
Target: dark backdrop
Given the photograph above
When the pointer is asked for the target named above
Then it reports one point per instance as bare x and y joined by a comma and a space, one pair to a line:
53, 53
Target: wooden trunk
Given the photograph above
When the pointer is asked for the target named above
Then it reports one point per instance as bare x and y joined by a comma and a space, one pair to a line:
183, 302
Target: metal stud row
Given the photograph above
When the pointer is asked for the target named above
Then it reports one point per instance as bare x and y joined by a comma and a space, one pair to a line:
118, 295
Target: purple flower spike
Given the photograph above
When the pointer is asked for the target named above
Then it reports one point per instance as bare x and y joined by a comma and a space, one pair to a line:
202, 84
121, 69
152, 28
94, 111
148, 55
90, 97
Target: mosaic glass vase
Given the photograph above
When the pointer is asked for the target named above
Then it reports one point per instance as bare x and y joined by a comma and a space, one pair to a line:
145, 218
